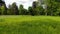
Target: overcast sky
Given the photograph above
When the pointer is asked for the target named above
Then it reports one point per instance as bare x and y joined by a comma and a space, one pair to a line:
26, 3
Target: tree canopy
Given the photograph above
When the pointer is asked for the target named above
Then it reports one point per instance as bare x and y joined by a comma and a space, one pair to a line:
50, 7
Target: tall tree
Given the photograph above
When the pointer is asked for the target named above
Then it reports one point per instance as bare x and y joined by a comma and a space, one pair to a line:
15, 9
30, 10
2, 10
35, 8
2, 4
21, 9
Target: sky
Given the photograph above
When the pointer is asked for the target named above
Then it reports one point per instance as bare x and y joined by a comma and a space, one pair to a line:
26, 3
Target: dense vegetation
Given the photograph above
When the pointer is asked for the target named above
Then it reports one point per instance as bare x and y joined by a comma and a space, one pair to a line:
29, 25
52, 8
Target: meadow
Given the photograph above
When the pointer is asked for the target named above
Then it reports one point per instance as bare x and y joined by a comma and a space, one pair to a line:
29, 24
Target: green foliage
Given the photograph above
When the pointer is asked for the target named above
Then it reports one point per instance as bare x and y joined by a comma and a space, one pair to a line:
41, 10
2, 10
35, 8
30, 10
22, 10
51, 7
15, 9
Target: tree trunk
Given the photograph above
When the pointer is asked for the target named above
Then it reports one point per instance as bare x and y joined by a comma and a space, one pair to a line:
46, 12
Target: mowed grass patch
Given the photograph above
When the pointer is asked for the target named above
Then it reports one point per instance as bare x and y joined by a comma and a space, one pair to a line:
29, 25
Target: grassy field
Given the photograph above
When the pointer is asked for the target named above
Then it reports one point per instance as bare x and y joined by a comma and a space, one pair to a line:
29, 25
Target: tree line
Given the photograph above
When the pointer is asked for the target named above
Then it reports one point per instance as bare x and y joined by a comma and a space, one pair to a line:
52, 8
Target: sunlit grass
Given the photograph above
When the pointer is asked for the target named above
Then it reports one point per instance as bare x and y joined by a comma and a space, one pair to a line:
29, 24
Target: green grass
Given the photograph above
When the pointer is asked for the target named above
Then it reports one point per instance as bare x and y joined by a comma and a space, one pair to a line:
29, 25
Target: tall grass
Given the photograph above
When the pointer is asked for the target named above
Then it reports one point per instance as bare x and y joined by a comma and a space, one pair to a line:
29, 25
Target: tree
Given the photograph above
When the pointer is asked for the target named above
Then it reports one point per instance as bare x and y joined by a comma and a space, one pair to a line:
9, 11
3, 7
15, 9
35, 8
41, 10
51, 6
2, 10
30, 10
25, 12
22, 10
